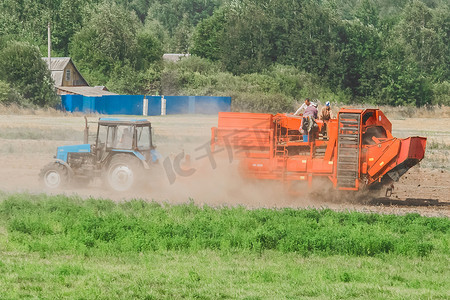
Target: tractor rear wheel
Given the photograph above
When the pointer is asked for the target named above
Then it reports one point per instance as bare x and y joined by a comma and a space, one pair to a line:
123, 172
54, 175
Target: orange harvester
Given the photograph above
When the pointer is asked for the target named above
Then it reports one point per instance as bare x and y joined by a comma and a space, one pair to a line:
358, 150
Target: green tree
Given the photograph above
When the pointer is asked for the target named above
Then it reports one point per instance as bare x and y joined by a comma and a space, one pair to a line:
422, 43
27, 20
360, 55
401, 80
24, 20
170, 13
107, 52
179, 17
66, 21
440, 23
9, 95
314, 39
208, 36
23, 69
149, 50
181, 39
441, 93
104, 42
254, 35
415, 56
367, 12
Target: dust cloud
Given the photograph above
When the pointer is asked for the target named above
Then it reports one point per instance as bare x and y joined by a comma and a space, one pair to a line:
225, 186
221, 185
21, 159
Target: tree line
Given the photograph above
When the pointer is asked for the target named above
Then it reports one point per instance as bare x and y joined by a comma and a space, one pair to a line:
264, 53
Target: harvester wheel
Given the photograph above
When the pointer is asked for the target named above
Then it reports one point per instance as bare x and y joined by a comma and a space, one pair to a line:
123, 172
54, 175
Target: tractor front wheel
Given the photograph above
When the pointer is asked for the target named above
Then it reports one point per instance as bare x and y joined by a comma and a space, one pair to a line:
122, 173
54, 175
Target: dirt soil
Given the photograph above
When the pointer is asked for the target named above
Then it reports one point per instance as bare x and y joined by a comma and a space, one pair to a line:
28, 142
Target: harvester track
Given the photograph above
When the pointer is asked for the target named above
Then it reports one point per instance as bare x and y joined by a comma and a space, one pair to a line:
406, 202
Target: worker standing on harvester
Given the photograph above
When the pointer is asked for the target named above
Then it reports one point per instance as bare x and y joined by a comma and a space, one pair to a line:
311, 111
309, 118
304, 106
325, 116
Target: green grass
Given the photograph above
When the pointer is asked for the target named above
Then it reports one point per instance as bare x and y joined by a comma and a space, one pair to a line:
57, 246
51, 224
209, 274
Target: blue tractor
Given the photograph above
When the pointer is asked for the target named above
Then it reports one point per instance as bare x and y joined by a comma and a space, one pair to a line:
122, 155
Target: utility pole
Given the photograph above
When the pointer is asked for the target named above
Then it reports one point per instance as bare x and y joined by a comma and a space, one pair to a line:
49, 47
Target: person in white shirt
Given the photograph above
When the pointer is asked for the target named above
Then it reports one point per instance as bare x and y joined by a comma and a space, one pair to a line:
304, 106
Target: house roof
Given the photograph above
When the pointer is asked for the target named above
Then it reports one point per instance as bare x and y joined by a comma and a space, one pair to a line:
58, 64
88, 91
174, 56
58, 77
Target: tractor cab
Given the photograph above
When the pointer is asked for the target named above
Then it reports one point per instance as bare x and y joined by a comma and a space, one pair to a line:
125, 135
